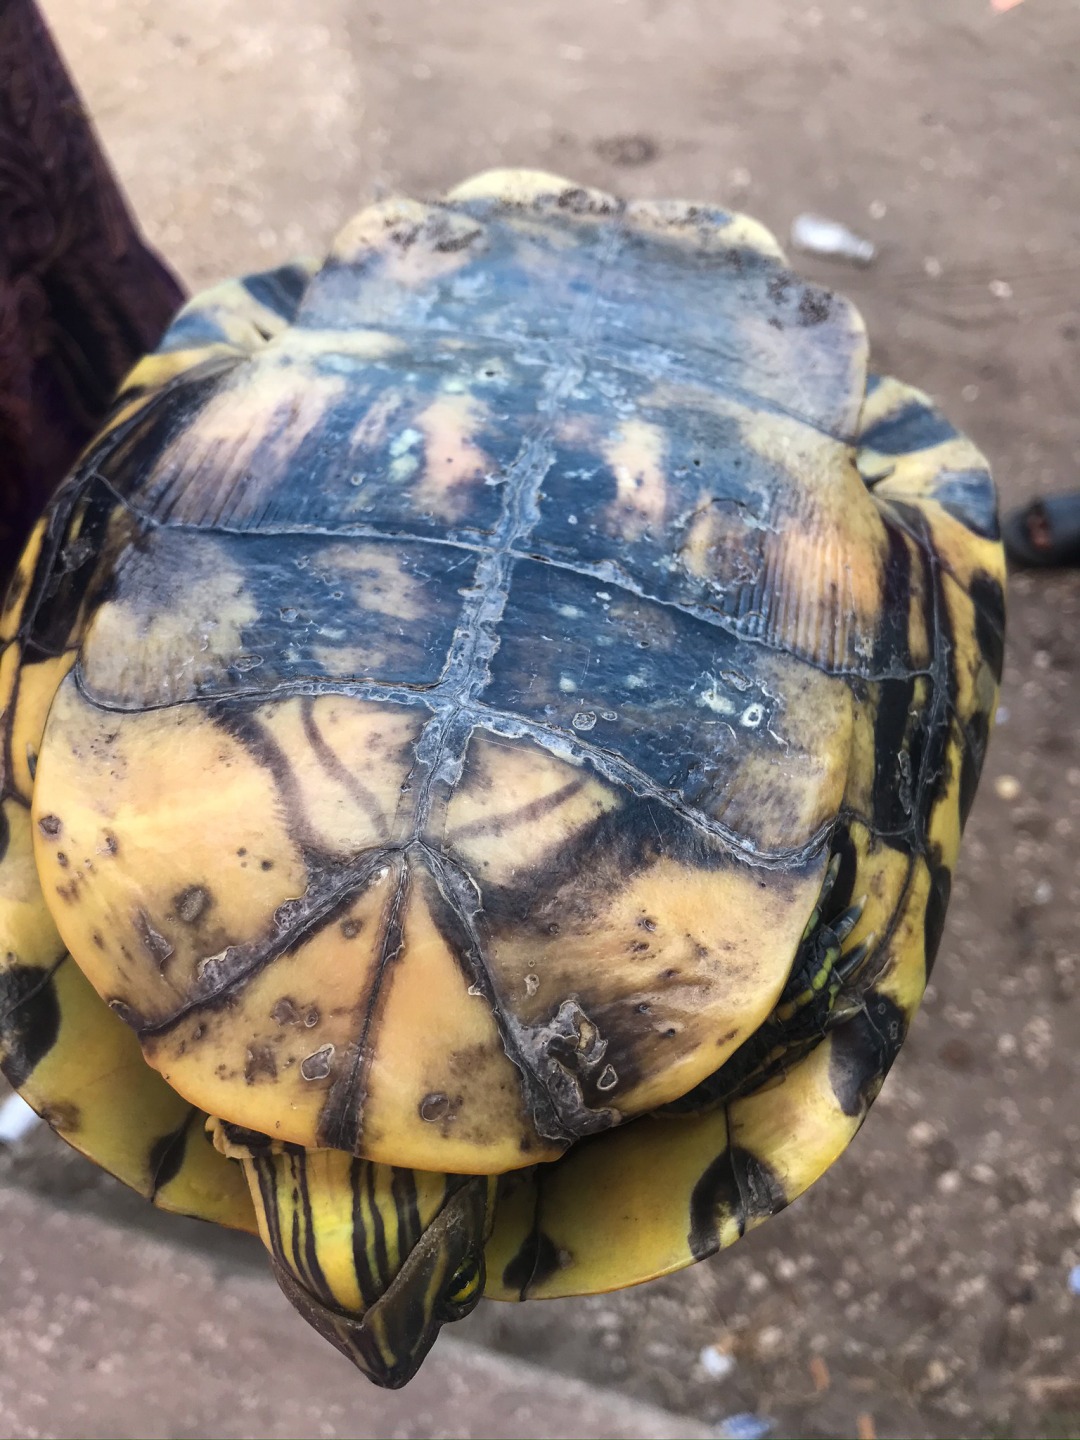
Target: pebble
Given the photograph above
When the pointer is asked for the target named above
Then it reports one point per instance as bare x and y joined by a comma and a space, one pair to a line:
745, 1426
818, 236
716, 1363
1074, 1208
770, 1340
921, 1134
1008, 787
16, 1119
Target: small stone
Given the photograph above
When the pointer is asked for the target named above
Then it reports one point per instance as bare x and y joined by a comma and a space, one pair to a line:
770, 1340
935, 1375
745, 1426
1074, 1207
1008, 787
716, 1363
949, 1182
921, 1134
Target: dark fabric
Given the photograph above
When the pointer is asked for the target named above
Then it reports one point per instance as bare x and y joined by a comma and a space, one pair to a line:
81, 297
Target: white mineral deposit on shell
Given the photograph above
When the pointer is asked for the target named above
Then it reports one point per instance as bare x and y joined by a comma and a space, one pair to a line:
16, 1120
716, 1363
816, 235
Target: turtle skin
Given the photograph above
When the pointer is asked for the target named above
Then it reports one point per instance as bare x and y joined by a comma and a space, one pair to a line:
504, 702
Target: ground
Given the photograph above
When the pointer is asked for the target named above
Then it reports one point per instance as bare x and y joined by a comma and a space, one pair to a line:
921, 1288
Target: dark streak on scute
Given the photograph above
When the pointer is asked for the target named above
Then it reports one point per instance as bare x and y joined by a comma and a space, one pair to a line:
125, 464
913, 427
535, 1262
934, 919
891, 796
736, 1182
612, 849
29, 1019
843, 889
319, 1284
279, 290
988, 597
166, 1157
5, 833
968, 496
976, 738
892, 648
863, 1050
61, 587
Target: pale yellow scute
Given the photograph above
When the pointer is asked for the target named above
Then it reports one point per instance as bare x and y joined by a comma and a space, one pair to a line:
161, 845
269, 1058
703, 228
529, 188
453, 463
36, 687
785, 794
413, 243
515, 806
169, 839
706, 951
635, 453
441, 1093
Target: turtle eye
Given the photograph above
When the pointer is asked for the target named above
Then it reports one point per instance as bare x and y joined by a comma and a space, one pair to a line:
463, 1290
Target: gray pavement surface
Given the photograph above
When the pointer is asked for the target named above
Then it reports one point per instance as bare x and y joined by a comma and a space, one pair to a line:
106, 1331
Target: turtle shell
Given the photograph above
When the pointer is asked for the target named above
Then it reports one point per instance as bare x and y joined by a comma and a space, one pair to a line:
466, 664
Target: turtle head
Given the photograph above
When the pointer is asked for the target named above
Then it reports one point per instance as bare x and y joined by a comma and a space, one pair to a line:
376, 1258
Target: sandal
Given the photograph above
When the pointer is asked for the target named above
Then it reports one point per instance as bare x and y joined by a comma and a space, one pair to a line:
1045, 532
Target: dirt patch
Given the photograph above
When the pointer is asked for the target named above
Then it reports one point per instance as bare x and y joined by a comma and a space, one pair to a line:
923, 1282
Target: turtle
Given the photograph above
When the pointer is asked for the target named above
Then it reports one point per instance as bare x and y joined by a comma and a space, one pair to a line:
488, 725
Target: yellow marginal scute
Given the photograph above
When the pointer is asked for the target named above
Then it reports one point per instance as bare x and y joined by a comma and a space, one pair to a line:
617, 1209
88, 1077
